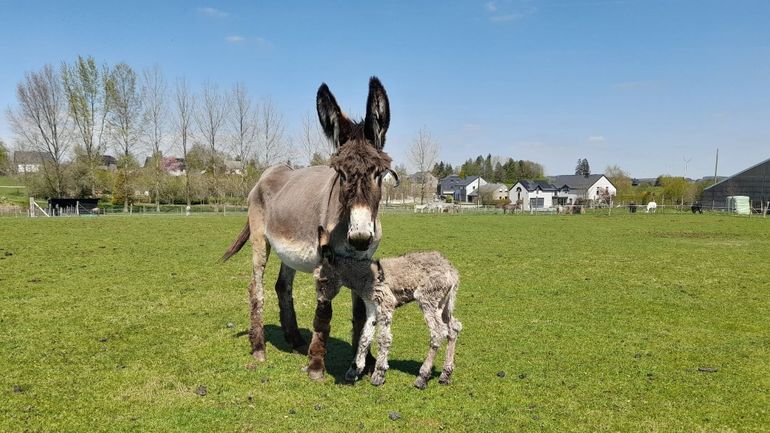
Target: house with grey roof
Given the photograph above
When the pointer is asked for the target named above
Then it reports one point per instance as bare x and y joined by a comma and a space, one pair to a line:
588, 187
492, 192
532, 195
461, 190
30, 161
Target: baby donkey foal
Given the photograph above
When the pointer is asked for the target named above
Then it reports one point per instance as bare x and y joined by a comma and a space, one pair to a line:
425, 277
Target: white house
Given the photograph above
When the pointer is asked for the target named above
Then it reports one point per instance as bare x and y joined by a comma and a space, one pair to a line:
30, 161
462, 190
588, 187
534, 195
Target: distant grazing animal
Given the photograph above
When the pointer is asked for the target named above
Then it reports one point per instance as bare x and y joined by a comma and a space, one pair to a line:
287, 205
696, 207
425, 277
651, 207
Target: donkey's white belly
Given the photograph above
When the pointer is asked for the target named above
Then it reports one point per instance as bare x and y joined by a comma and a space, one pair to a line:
295, 254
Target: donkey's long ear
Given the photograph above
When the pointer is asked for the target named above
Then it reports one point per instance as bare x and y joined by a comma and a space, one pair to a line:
377, 113
335, 124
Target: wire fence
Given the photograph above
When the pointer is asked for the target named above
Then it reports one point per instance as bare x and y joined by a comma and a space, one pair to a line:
147, 209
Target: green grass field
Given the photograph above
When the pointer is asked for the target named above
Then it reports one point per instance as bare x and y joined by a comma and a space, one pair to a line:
644, 323
12, 191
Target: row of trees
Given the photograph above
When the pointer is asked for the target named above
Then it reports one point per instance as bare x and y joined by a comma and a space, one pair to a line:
493, 169
76, 113
675, 190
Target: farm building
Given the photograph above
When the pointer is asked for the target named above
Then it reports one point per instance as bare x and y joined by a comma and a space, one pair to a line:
754, 182
585, 187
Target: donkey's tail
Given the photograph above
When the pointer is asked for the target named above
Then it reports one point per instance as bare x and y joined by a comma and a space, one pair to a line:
243, 237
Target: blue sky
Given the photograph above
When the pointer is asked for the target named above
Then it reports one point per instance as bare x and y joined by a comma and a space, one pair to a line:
639, 83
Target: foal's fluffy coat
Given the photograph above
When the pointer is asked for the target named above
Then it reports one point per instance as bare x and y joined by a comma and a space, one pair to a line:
426, 277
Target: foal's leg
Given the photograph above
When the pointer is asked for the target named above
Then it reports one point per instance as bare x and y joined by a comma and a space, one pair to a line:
283, 288
449, 362
384, 319
438, 333
321, 329
453, 328
359, 319
367, 333
260, 251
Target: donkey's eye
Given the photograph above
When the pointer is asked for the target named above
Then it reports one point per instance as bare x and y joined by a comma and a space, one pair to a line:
342, 176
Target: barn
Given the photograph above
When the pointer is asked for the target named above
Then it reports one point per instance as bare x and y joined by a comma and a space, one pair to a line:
754, 182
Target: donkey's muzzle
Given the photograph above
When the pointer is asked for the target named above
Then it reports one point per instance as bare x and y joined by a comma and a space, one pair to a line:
360, 242
361, 228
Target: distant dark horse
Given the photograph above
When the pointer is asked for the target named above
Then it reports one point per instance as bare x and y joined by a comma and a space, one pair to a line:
287, 206
696, 207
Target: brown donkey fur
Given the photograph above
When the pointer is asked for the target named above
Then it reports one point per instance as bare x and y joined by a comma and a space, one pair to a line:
287, 205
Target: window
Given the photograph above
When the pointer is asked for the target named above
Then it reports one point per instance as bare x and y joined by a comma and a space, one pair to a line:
537, 203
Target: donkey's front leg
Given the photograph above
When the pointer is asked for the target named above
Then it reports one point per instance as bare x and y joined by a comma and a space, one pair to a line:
384, 320
321, 329
364, 342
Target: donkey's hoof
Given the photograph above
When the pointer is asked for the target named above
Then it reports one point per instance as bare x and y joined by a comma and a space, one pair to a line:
316, 375
259, 355
420, 383
378, 378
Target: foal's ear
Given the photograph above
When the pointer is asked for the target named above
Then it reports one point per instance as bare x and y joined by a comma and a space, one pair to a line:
335, 124
377, 113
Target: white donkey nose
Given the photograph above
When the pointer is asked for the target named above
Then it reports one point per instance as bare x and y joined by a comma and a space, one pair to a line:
361, 227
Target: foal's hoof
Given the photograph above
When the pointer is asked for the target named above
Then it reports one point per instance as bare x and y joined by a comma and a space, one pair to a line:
259, 355
445, 378
420, 383
378, 378
316, 375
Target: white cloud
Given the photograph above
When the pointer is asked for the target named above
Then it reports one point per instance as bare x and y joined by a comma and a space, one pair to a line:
235, 39
596, 139
212, 12
502, 11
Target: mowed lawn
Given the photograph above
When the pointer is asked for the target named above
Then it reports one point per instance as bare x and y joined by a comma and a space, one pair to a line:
631, 323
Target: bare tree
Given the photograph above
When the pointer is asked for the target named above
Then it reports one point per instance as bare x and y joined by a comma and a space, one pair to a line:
85, 86
313, 145
210, 119
185, 107
243, 123
40, 122
125, 122
271, 142
154, 92
423, 154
